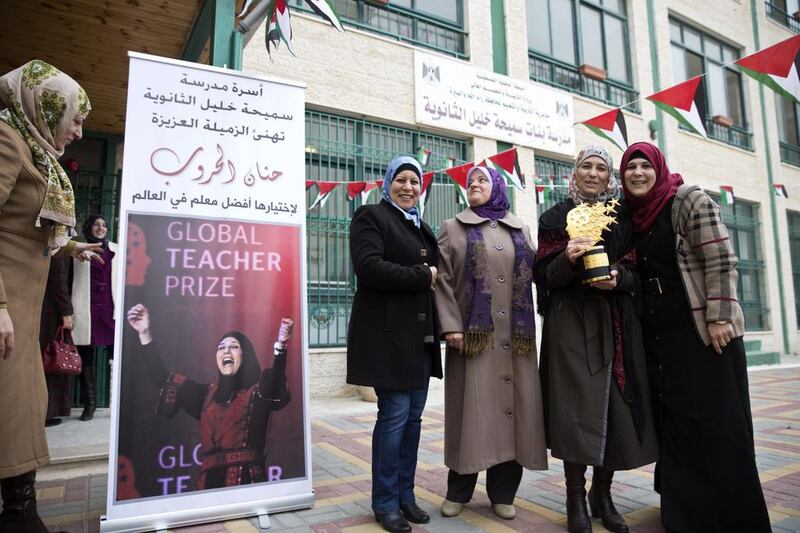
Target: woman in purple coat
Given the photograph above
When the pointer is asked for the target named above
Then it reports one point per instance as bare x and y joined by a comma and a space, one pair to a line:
93, 300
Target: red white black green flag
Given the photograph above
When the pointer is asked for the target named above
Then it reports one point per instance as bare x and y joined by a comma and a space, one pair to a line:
780, 190
427, 179
686, 102
611, 126
325, 190
507, 165
776, 67
459, 176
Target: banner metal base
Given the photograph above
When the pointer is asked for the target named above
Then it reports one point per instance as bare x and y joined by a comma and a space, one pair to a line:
202, 515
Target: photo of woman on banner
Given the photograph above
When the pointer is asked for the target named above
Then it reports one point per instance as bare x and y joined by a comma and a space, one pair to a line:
234, 412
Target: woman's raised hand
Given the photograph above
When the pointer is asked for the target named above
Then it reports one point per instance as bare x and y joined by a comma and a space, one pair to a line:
139, 319
6, 335
577, 247
285, 331
455, 340
86, 251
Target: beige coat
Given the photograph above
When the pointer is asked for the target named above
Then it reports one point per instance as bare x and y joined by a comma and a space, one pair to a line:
493, 402
23, 276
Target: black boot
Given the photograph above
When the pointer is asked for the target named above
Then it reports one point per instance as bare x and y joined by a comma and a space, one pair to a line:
578, 520
19, 505
600, 501
88, 393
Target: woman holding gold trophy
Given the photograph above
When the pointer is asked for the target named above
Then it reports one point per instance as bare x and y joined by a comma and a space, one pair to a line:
594, 376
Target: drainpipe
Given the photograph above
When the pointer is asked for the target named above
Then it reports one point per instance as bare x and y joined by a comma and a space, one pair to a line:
771, 190
651, 31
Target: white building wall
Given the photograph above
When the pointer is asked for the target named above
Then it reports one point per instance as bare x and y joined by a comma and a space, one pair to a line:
363, 74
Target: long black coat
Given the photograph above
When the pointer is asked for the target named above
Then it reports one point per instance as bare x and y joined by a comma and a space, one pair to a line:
393, 305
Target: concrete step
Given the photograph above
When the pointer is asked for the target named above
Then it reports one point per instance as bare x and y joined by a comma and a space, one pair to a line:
752, 346
760, 358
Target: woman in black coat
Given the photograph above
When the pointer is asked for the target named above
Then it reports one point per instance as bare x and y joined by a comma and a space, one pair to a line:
392, 340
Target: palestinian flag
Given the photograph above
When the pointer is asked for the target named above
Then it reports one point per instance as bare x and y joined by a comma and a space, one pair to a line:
543, 193
459, 176
780, 191
325, 9
310, 183
280, 25
611, 126
368, 189
423, 155
776, 67
726, 195
427, 179
686, 102
354, 188
507, 164
325, 190
450, 162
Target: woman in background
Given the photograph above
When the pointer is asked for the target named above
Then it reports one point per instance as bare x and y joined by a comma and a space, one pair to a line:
93, 294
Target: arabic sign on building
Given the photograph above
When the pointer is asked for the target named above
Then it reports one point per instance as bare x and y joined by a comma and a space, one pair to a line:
452, 95
210, 419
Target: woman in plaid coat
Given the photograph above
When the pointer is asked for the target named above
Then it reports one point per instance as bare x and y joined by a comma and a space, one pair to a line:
693, 326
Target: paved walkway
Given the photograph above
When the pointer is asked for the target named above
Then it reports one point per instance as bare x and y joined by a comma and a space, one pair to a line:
341, 442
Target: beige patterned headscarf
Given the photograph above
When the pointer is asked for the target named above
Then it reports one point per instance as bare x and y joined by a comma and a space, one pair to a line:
612, 189
40, 102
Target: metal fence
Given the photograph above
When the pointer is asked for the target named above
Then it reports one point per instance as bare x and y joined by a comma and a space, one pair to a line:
564, 76
782, 17
345, 149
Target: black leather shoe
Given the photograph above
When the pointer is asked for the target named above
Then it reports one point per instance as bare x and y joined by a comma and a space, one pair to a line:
393, 522
413, 513
50, 422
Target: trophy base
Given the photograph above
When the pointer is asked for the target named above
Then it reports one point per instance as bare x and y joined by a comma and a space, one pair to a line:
595, 265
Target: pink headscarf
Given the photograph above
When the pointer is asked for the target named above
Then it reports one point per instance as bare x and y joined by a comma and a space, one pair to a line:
647, 208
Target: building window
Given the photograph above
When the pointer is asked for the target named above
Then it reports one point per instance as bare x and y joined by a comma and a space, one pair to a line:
783, 12
345, 149
794, 250
563, 35
742, 221
434, 24
554, 175
788, 129
695, 53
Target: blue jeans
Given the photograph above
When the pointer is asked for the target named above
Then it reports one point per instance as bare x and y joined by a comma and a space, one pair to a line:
395, 441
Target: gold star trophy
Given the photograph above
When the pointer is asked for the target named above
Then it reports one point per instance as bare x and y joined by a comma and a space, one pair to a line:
590, 221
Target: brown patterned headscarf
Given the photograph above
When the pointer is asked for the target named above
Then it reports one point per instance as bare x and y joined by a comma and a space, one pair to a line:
40, 102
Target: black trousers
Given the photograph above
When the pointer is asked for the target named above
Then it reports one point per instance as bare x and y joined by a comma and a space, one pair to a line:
502, 482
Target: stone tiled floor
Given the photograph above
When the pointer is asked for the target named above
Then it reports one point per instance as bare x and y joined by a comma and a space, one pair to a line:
341, 443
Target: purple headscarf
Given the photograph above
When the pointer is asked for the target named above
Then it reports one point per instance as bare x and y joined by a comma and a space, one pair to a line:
478, 323
497, 205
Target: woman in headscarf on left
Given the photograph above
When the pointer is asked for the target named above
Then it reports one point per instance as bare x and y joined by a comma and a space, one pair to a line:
41, 111
392, 343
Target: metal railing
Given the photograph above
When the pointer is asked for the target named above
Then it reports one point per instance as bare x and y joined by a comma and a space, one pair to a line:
344, 149
790, 154
565, 76
782, 17
401, 24
733, 135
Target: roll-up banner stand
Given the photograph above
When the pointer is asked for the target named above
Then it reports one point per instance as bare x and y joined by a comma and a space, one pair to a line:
209, 413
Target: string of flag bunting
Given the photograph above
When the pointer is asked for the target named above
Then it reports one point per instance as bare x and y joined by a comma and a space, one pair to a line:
774, 66
506, 163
